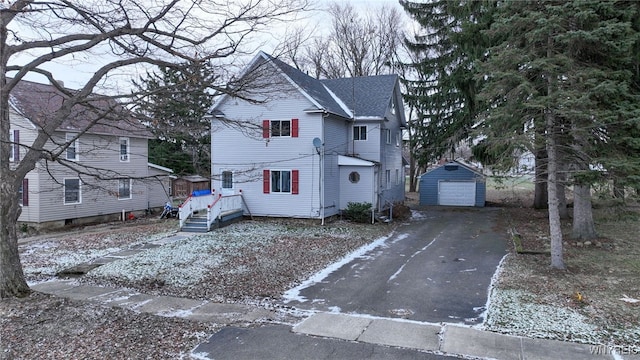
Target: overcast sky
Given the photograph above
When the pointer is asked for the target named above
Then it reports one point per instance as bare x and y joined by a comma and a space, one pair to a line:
74, 75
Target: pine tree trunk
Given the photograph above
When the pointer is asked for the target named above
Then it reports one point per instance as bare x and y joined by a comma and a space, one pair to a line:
12, 282
541, 197
562, 195
583, 226
555, 228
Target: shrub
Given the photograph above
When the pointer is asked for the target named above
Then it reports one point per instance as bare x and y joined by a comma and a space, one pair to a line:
358, 212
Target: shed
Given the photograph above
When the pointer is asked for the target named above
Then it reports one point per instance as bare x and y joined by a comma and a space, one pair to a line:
184, 186
453, 184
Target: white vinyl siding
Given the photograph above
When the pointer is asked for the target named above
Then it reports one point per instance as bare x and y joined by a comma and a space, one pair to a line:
259, 154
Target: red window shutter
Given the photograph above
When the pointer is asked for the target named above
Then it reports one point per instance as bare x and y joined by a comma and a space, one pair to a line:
25, 192
266, 187
16, 147
295, 175
294, 127
265, 128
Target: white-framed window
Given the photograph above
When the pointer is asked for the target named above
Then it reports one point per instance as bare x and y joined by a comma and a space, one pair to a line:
280, 128
388, 178
387, 133
227, 180
398, 137
124, 189
397, 177
72, 191
72, 150
124, 149
280, 181
360, 132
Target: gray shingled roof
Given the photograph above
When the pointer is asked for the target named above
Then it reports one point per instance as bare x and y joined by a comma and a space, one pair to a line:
313, 87
368, 95
39, 102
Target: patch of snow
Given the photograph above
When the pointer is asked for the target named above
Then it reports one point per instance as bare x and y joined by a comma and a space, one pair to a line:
513, 313
399, 238
418, 215
492, 286
469, 270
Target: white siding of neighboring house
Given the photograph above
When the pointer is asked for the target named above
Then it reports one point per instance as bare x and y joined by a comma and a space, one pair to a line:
246, 153
27, 135
98, 197
159, 185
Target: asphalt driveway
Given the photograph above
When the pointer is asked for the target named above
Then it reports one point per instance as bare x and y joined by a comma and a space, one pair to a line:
435, 268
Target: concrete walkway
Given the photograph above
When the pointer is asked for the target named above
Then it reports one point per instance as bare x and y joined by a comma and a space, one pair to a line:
442, 339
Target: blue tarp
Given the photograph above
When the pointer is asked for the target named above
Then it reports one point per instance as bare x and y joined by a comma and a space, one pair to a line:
201, 192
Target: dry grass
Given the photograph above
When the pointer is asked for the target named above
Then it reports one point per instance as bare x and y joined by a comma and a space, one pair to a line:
598, 275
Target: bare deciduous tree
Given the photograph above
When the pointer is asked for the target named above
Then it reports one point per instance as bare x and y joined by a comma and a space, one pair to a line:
358, 44
117, 36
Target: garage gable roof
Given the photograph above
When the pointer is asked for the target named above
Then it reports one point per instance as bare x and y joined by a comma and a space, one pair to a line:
457, 163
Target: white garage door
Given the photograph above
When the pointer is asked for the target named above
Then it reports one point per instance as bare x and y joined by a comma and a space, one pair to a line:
457, 193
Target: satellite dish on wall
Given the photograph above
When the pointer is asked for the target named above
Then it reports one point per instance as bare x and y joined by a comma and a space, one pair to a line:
317, 142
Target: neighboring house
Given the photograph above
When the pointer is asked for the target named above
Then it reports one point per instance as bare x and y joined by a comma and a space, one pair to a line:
70, 191
303, 147
453, 183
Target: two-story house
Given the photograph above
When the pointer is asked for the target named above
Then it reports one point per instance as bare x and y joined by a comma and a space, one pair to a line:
103, 174
297, 146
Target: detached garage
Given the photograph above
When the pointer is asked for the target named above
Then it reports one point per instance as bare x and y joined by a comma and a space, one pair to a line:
452, 184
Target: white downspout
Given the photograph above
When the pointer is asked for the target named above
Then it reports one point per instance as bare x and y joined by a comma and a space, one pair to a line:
322, 172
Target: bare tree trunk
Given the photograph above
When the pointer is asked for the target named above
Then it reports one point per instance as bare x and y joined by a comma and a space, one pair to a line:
583, 226
12, 282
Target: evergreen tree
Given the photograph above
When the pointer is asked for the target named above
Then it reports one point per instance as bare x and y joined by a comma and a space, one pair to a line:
562, 69
444, 93
175, 104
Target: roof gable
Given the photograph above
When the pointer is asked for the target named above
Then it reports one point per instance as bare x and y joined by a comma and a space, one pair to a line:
39, 102
369, 96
